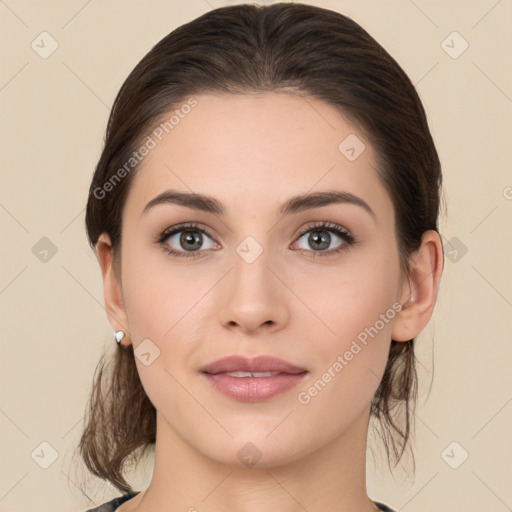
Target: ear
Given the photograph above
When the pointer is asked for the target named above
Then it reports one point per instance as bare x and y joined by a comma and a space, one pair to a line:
419, 292
112, 290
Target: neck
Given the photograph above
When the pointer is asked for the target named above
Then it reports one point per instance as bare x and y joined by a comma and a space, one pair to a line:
329, 479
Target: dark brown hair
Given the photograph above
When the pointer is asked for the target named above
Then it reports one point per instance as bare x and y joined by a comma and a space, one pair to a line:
241, 49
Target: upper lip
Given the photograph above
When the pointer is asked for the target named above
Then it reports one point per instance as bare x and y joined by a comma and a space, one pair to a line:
262, 363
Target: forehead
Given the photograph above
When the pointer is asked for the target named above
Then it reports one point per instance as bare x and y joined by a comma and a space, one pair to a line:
255, 150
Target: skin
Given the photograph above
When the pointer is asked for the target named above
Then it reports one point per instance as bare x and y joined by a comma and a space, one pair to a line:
252, 152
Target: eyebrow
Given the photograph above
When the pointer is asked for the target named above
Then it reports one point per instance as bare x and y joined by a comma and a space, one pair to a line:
295, 204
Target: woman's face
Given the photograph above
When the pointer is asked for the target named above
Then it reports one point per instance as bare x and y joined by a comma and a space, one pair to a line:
261, 281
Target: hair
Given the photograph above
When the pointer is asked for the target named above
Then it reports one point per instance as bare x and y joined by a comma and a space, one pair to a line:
244, 49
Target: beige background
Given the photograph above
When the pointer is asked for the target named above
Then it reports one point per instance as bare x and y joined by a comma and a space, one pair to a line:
53, 325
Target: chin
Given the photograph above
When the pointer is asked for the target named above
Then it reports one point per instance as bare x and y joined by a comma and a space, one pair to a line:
254, 451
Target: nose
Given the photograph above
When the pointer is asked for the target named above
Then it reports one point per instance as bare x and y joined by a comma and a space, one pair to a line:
253, 296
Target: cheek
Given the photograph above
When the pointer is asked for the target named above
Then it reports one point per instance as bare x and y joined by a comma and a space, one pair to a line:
351, 298
166, 304
349, 368
358, 307
157, 293
159, 302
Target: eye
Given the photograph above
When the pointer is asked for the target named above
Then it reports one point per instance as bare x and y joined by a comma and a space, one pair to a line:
185, 240
319, 238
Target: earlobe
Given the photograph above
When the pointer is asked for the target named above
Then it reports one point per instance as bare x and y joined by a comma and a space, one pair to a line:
420, 290
112, 290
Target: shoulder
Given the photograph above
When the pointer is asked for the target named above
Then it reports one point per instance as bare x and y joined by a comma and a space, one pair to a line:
112, 505
383, 507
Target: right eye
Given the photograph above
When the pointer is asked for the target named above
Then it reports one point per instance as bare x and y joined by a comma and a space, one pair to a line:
186, 238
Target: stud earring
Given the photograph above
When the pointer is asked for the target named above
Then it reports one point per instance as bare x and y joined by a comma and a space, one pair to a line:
119, 336
410, 301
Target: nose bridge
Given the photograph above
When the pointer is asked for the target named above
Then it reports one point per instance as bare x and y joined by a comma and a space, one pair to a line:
251, 276
252, 297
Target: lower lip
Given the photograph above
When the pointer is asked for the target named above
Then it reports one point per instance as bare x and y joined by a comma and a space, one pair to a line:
253, 389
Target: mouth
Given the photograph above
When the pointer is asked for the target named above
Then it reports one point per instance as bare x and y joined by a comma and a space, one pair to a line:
252, 374
259, 364
252, 379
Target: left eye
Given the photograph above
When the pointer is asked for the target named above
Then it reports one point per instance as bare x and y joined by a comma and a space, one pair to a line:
320, 238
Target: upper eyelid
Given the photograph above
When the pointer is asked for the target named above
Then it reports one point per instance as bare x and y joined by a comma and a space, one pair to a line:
327, 225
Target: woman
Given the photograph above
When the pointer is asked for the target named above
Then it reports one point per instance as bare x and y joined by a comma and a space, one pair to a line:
264, 214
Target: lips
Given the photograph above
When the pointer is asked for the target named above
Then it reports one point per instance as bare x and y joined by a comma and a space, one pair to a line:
252, 379
256, 365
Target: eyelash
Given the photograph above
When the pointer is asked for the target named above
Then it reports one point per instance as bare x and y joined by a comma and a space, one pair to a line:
342, 233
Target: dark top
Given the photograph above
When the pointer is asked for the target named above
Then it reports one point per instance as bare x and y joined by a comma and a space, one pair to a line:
112, 505
109, 506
